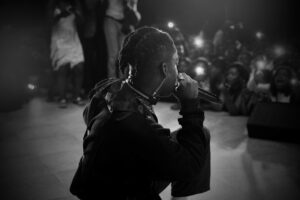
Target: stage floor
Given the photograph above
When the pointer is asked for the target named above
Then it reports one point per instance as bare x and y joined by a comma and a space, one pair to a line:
40, 146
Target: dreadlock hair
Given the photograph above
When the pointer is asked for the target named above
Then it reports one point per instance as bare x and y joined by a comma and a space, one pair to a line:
144, 48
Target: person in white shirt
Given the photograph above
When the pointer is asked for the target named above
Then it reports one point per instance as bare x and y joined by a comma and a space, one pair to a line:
66, 51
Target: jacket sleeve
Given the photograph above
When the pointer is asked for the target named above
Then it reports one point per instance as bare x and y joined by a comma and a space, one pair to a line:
164, 158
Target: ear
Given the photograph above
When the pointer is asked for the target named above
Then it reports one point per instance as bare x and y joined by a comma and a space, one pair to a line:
132, 70
164, 69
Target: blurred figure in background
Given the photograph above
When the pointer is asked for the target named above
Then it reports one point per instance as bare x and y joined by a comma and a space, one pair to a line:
121, 18
66, 50
232, 89
245, 58
223, 37
216, 75
93, 42
231, 52
257, 89
281, 89
184, 61
181, 46
260, 75
208, 50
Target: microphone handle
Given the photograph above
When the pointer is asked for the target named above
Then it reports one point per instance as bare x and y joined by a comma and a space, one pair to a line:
208, 96
205, 95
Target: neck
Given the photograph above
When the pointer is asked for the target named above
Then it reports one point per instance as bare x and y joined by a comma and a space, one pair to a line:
143, 90
146, 85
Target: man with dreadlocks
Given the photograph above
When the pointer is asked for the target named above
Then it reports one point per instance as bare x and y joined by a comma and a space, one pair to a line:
127, 155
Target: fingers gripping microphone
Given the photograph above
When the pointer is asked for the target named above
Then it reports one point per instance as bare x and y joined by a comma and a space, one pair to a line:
205, 95
208, 96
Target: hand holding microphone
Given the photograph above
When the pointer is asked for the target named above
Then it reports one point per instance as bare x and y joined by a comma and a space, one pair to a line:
187, 88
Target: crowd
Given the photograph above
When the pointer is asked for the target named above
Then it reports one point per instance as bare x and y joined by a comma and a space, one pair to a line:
242, 70
234, 63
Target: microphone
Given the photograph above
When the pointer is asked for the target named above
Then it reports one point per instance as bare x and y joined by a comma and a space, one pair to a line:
205, 95
208, 96
202, 94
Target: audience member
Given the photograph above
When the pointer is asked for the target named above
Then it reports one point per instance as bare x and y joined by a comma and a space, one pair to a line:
121, 17
281, 89
232, 88
66, 51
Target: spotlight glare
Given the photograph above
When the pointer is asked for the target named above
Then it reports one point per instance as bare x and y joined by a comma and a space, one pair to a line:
259, 35
171, 24
294, 81
261, 64
31, 86
199, 70
279, 51
198, 42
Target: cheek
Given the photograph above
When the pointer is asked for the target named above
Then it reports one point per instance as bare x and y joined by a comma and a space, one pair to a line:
171, 79
174, 74
172, 71
176, 71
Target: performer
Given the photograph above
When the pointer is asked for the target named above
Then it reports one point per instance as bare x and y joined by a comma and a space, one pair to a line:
127, 154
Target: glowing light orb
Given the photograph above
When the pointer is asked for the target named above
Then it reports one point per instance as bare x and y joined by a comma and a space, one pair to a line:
199, 70
198, 42
259, 35
279, 51
294, 81
261, 64
31, 86
171, 24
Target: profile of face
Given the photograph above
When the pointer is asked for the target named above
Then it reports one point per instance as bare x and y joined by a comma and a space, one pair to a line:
281, 79
171, 74
232, 75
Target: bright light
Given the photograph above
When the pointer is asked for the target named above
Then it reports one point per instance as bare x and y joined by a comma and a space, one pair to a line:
279, 51
199, 70
31, 86
294, 81
261, 64
198, 42
171, 24
259, 35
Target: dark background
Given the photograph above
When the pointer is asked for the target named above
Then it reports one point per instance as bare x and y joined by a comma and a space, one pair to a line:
277, 18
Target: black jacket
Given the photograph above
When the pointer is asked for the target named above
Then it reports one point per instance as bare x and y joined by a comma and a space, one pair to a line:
128, 155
